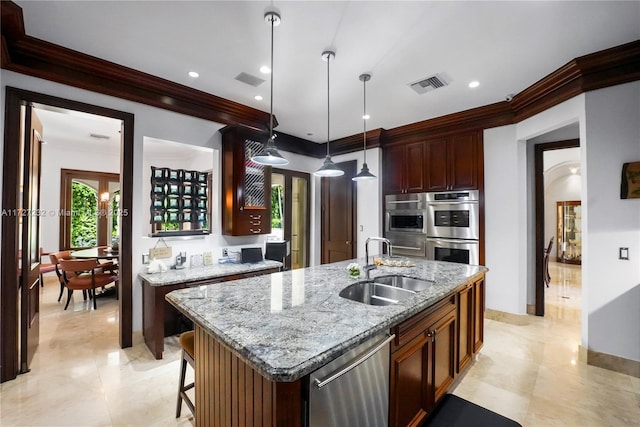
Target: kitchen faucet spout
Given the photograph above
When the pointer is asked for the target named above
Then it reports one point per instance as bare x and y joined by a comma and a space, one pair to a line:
368, 267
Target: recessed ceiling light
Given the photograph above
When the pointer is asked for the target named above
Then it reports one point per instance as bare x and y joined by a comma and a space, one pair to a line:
366, 117
265, 70
474, 84
258, 97
193, 74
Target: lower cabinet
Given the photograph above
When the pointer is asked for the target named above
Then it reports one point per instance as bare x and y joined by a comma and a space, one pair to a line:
422, 363
431, 349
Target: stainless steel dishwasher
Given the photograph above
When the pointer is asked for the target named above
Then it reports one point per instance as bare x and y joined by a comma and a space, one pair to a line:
353, 390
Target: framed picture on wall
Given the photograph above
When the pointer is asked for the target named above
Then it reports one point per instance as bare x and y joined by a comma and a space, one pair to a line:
630, 186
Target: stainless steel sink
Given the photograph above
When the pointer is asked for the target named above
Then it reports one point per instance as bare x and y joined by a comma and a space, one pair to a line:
372, 293
403, 282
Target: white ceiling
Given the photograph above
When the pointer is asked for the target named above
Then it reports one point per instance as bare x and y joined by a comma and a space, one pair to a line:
506, 46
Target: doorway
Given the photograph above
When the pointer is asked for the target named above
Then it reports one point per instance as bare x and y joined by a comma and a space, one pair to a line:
11, 360
338, 211
543, 234
290, 214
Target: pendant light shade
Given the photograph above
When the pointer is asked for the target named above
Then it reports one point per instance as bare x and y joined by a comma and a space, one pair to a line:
329, 168
364, 173
270, 155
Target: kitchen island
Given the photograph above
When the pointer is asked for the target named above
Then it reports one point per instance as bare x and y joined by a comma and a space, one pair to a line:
258, 339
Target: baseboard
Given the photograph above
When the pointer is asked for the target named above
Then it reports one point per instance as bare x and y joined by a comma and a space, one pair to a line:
531, 309
137, 338
609, 361
502, 316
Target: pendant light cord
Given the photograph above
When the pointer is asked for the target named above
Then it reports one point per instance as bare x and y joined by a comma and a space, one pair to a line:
271, 106
328, 115
364, 120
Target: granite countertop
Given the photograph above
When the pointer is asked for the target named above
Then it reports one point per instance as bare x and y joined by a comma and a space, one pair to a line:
212, 271
288, 324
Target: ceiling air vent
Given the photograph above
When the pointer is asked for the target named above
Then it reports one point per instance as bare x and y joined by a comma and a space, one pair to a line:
430, 83
249, 79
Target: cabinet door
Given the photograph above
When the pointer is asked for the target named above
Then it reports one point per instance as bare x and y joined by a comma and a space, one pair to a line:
442, 361
414, 167
463, 162
436, 165
478, 315
465, 327
394, 170
408, 403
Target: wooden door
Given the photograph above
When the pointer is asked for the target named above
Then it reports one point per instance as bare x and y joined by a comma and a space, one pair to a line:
414, 169
463, 153
478, 315
30, 241
409, 399
436, 165
339, 215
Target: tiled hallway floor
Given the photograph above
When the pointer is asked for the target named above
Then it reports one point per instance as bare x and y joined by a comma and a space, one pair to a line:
530, 372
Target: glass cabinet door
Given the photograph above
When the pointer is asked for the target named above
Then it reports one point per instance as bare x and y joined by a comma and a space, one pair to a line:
569, 234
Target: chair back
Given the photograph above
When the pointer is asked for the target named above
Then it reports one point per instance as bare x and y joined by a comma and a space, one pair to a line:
73, 267
56, 257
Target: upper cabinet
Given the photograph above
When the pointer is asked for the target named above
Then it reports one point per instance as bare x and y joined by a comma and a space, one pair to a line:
246, 186
403, 168
434, 164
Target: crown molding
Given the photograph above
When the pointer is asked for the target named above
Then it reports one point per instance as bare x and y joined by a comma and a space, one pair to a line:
28, 55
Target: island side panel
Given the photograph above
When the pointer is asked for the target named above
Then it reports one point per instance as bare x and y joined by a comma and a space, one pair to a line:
230, 393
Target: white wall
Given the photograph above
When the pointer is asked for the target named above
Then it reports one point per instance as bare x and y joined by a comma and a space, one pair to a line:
612, 137
55, 158
609, 136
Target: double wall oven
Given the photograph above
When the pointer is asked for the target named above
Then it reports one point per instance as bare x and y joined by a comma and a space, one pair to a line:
439, 226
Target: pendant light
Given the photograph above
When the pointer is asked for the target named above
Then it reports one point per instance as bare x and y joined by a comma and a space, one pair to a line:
328, 168
364, 173
270, 155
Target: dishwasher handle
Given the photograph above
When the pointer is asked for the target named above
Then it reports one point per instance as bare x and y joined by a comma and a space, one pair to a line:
321, 383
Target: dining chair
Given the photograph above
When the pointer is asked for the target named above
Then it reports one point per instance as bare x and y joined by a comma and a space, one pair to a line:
45, 267
55, 259
85, 275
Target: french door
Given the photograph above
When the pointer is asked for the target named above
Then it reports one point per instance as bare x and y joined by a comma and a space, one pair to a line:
290, 213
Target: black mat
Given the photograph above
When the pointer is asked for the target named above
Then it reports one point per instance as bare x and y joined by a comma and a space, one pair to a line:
453, 411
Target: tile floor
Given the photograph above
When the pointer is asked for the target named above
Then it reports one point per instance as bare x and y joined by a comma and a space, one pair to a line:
529, 373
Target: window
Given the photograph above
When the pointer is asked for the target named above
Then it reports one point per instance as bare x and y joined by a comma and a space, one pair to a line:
90, 208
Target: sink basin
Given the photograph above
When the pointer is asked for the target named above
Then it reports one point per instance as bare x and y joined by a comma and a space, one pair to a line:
372, 293
403, 282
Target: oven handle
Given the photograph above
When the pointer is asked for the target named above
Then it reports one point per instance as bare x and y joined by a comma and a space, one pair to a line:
321, 383
461, 241
452, 202
406, 247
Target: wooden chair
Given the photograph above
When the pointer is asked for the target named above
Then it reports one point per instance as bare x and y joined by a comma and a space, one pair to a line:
186, 341
545, 272
55, 259
82, 275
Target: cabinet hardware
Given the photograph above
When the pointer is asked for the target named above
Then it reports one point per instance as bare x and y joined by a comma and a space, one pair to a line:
255, 216
255, 231
255, 222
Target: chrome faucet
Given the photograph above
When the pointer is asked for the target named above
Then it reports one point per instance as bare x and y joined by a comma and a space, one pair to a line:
368, 267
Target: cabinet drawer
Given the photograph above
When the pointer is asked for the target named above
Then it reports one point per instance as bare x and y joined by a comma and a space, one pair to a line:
418, 324
253, 223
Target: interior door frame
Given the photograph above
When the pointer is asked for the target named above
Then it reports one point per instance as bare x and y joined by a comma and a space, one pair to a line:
540, 245
288, 208
9, 314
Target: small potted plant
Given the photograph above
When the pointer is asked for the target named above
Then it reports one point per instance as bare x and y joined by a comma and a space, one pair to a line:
354, 270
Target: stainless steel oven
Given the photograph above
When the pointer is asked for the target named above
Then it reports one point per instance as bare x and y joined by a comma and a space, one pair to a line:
453, 250
406, 213
453, 215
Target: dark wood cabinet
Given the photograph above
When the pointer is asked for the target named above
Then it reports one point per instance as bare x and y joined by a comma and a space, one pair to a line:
246, 186
444, 163
452, 162
470, 333
422, 363
404, 168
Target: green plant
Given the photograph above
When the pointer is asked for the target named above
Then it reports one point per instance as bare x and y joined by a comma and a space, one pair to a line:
84, 218
277, 201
